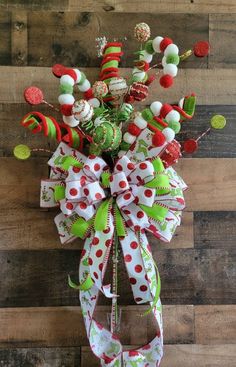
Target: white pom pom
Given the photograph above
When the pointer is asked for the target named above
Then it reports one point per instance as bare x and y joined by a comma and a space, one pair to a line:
128, 138
146, 56
169, 134
171, 49
67, 79
94, 102
140, 122
78, 74
156, 43
172, 116
163, 61
85, 86
170, 69
181, 103
70, 121
66, 99
156, 108
138, 74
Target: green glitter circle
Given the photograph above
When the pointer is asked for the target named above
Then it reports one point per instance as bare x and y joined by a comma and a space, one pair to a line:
218, 122
22, 151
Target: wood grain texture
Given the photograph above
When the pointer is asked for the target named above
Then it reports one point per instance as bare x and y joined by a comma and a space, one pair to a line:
212, 87
19, 38
219, 143
194, 355
214, 324
214, 229
40, 357
39, 278
5, 34
61, 326
151, 6
205, 180
222, 34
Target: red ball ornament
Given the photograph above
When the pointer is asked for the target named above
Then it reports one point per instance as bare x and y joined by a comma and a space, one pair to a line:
166, 81
134, 129
129, 99
71, 73
201, 48
158, 139
164, 43
139, 91
33, 95
58, 70
190, 146
66, 109
165, 109
171, 154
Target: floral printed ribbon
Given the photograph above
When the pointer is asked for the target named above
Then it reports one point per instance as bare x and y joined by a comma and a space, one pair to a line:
97, 205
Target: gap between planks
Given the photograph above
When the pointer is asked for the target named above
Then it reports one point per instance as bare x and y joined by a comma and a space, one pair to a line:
212, 86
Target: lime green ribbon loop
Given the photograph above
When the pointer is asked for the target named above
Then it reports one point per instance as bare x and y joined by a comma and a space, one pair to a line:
161, 183
158, 165
80, 227
156, 212
102, 215
59, 192
84, 286
119, 223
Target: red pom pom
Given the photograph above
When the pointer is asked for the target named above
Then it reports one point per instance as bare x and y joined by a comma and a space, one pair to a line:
33, 95
66, 109
164, 43
88, 94
158, 139
133, 129
190, 146
165, 109
58, 70
166, 81
150, 79
70, 72
129, 99
201, 48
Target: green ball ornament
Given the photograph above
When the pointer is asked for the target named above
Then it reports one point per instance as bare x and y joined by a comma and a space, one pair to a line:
149, 48
175, 125
218, 122
172, 59
22, 152
107, 136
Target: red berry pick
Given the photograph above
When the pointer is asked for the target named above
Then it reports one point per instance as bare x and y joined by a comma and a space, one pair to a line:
201, 48
190, 146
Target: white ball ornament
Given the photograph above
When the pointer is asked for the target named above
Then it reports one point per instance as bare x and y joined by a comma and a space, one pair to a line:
94, 102
169, 134
170, 69
155, 107
70, 121
67, 79
140, 122
82, 110
156, 43
172, 116
128, 138
146, 57
66, 99
118, 86
85, 86
171, 49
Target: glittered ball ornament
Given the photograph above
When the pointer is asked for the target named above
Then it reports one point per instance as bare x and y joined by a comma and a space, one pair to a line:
82, 110
142, 32
171, 154
118, 87
107, 136
139, 91
99, 89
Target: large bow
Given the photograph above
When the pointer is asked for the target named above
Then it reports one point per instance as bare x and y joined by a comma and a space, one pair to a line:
98, 205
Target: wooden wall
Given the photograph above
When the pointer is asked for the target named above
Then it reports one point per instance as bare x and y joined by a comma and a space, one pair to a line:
40, 318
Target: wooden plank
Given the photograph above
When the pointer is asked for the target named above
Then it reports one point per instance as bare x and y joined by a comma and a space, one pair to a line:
219, 143
203, 276
214, 229
69, 37
19, 38
222, 34
40, 357
150, 6
62, 326
193, 355
212, 87
5, 44
205, 178
214, 324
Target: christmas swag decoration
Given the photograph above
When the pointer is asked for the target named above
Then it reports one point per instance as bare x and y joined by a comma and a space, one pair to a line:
112, 178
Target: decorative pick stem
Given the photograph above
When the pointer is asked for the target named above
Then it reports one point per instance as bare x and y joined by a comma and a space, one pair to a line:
204, 133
